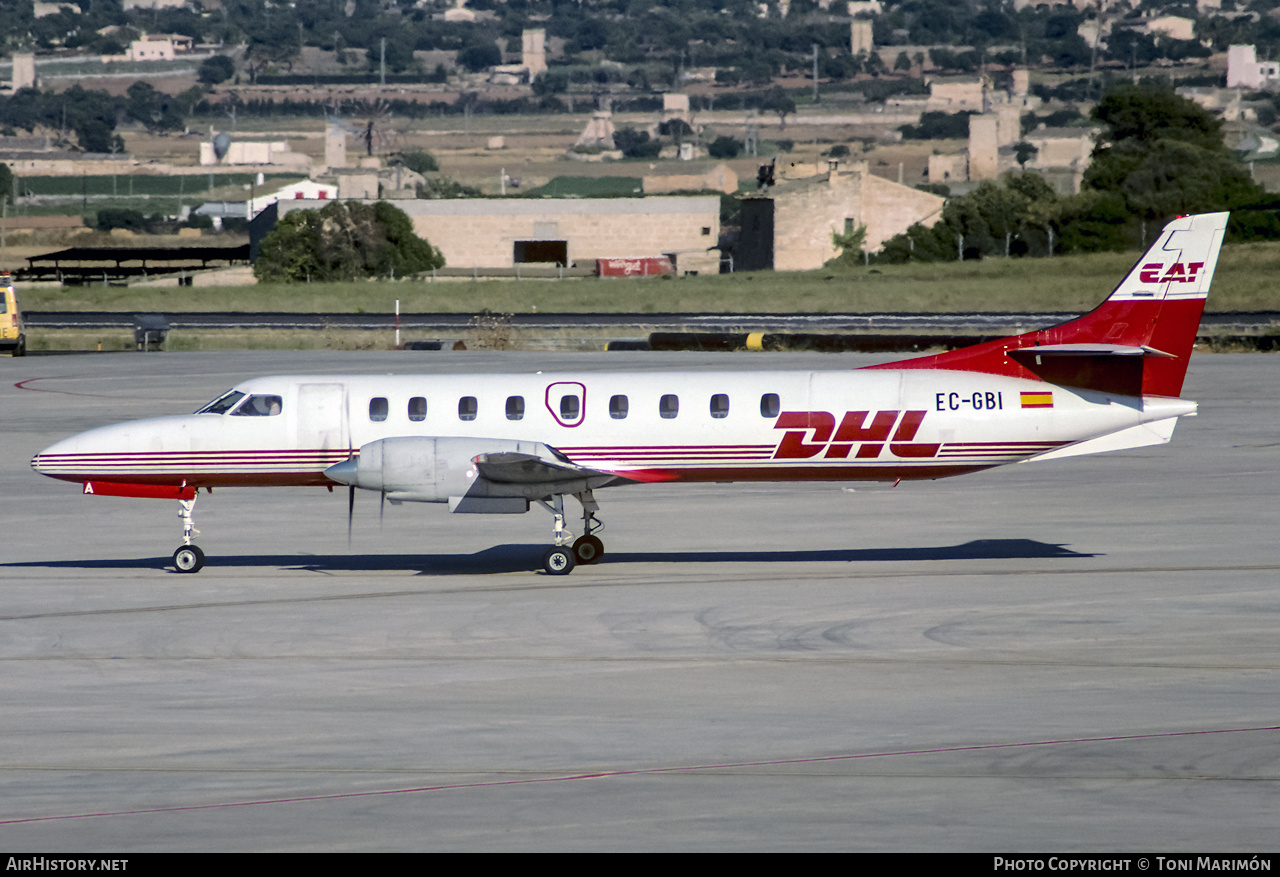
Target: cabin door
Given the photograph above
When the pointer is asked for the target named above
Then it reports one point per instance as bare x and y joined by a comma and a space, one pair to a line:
322, 417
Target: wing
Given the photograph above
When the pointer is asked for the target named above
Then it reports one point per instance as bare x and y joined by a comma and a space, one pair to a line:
479, 470
515, 468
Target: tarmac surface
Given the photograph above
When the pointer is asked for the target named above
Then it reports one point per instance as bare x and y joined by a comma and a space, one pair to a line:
1079, 655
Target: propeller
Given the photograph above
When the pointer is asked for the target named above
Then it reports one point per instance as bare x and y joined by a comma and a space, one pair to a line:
351, 509
351, 493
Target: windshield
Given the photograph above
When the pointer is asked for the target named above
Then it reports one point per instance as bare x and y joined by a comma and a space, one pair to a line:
223, 403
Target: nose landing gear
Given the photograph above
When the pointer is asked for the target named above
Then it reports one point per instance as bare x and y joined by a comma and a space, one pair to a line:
188, 558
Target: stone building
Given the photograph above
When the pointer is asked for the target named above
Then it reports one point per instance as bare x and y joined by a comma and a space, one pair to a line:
502, 233
1244, 70
861, 37
719, 177
258, 153
24, 72
789, 228
954, 94
989, 133
1062, 155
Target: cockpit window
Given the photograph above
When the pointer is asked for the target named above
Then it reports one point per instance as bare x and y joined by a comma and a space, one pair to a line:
259, 406
223, 403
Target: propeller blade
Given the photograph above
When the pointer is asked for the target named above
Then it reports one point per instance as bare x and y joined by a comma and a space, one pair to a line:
351, 508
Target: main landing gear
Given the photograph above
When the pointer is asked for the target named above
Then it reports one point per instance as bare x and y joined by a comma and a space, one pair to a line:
188, 558
566, 552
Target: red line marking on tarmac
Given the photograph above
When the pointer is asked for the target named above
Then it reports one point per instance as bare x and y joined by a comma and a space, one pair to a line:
22, 385
646, 771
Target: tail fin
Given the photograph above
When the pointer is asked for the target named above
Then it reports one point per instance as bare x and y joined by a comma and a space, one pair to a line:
1136, 343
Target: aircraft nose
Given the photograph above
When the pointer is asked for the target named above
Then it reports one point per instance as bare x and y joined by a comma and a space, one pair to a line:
54, 458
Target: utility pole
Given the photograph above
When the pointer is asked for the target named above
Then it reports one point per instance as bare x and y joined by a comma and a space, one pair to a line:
815, 73
382, 63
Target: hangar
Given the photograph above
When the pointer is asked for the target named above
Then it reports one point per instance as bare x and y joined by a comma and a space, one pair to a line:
505, 232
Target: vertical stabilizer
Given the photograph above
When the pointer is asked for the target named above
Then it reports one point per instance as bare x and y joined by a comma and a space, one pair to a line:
1146, 328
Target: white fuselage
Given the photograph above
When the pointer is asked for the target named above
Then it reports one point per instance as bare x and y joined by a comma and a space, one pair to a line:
879, 425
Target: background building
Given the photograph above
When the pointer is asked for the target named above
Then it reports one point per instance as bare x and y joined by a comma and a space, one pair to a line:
502, 233
789, 228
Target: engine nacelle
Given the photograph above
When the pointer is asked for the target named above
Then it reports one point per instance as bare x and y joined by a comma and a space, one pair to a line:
421, 469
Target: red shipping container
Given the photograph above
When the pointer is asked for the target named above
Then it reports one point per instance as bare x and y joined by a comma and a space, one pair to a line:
641, 266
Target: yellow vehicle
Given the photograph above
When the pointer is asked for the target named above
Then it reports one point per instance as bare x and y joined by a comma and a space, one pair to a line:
12, 338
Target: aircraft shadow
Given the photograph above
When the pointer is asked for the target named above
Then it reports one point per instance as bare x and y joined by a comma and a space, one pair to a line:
528, 558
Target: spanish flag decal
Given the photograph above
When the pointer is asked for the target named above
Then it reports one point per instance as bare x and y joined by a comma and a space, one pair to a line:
1037, 400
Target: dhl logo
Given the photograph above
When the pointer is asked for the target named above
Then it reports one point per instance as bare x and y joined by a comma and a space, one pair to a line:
810, 433
1177, 272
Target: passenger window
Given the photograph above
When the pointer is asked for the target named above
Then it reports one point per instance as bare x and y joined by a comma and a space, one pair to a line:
378, 409
669, 406
719, 406
418, 408
467, 408
569, 407
618, 407
769, 405
259, 406
515, 407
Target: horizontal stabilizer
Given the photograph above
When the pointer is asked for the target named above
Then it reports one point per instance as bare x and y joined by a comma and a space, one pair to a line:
1107, 368
1024, 353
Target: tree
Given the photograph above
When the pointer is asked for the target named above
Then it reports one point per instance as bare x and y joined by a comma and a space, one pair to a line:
1145, 114
480, 56
6, 184
421, 162
1024, 152
216, 69
850, 244
154, 109
344, 241
724, 147
1164, 156
636, 144
677, 129
779, 102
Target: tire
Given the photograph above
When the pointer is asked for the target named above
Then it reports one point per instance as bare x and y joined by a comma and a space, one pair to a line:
188, 559
21, 349
588, 549
558, 561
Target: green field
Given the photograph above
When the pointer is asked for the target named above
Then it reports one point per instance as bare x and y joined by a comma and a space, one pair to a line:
1245, 281
587, 187
123, 185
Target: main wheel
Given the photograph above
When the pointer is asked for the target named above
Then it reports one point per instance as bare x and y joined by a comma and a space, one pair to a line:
558, 561
588, 549
188, 558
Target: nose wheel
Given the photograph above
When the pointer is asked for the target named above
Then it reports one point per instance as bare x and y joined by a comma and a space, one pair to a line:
558, 561
188, 558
